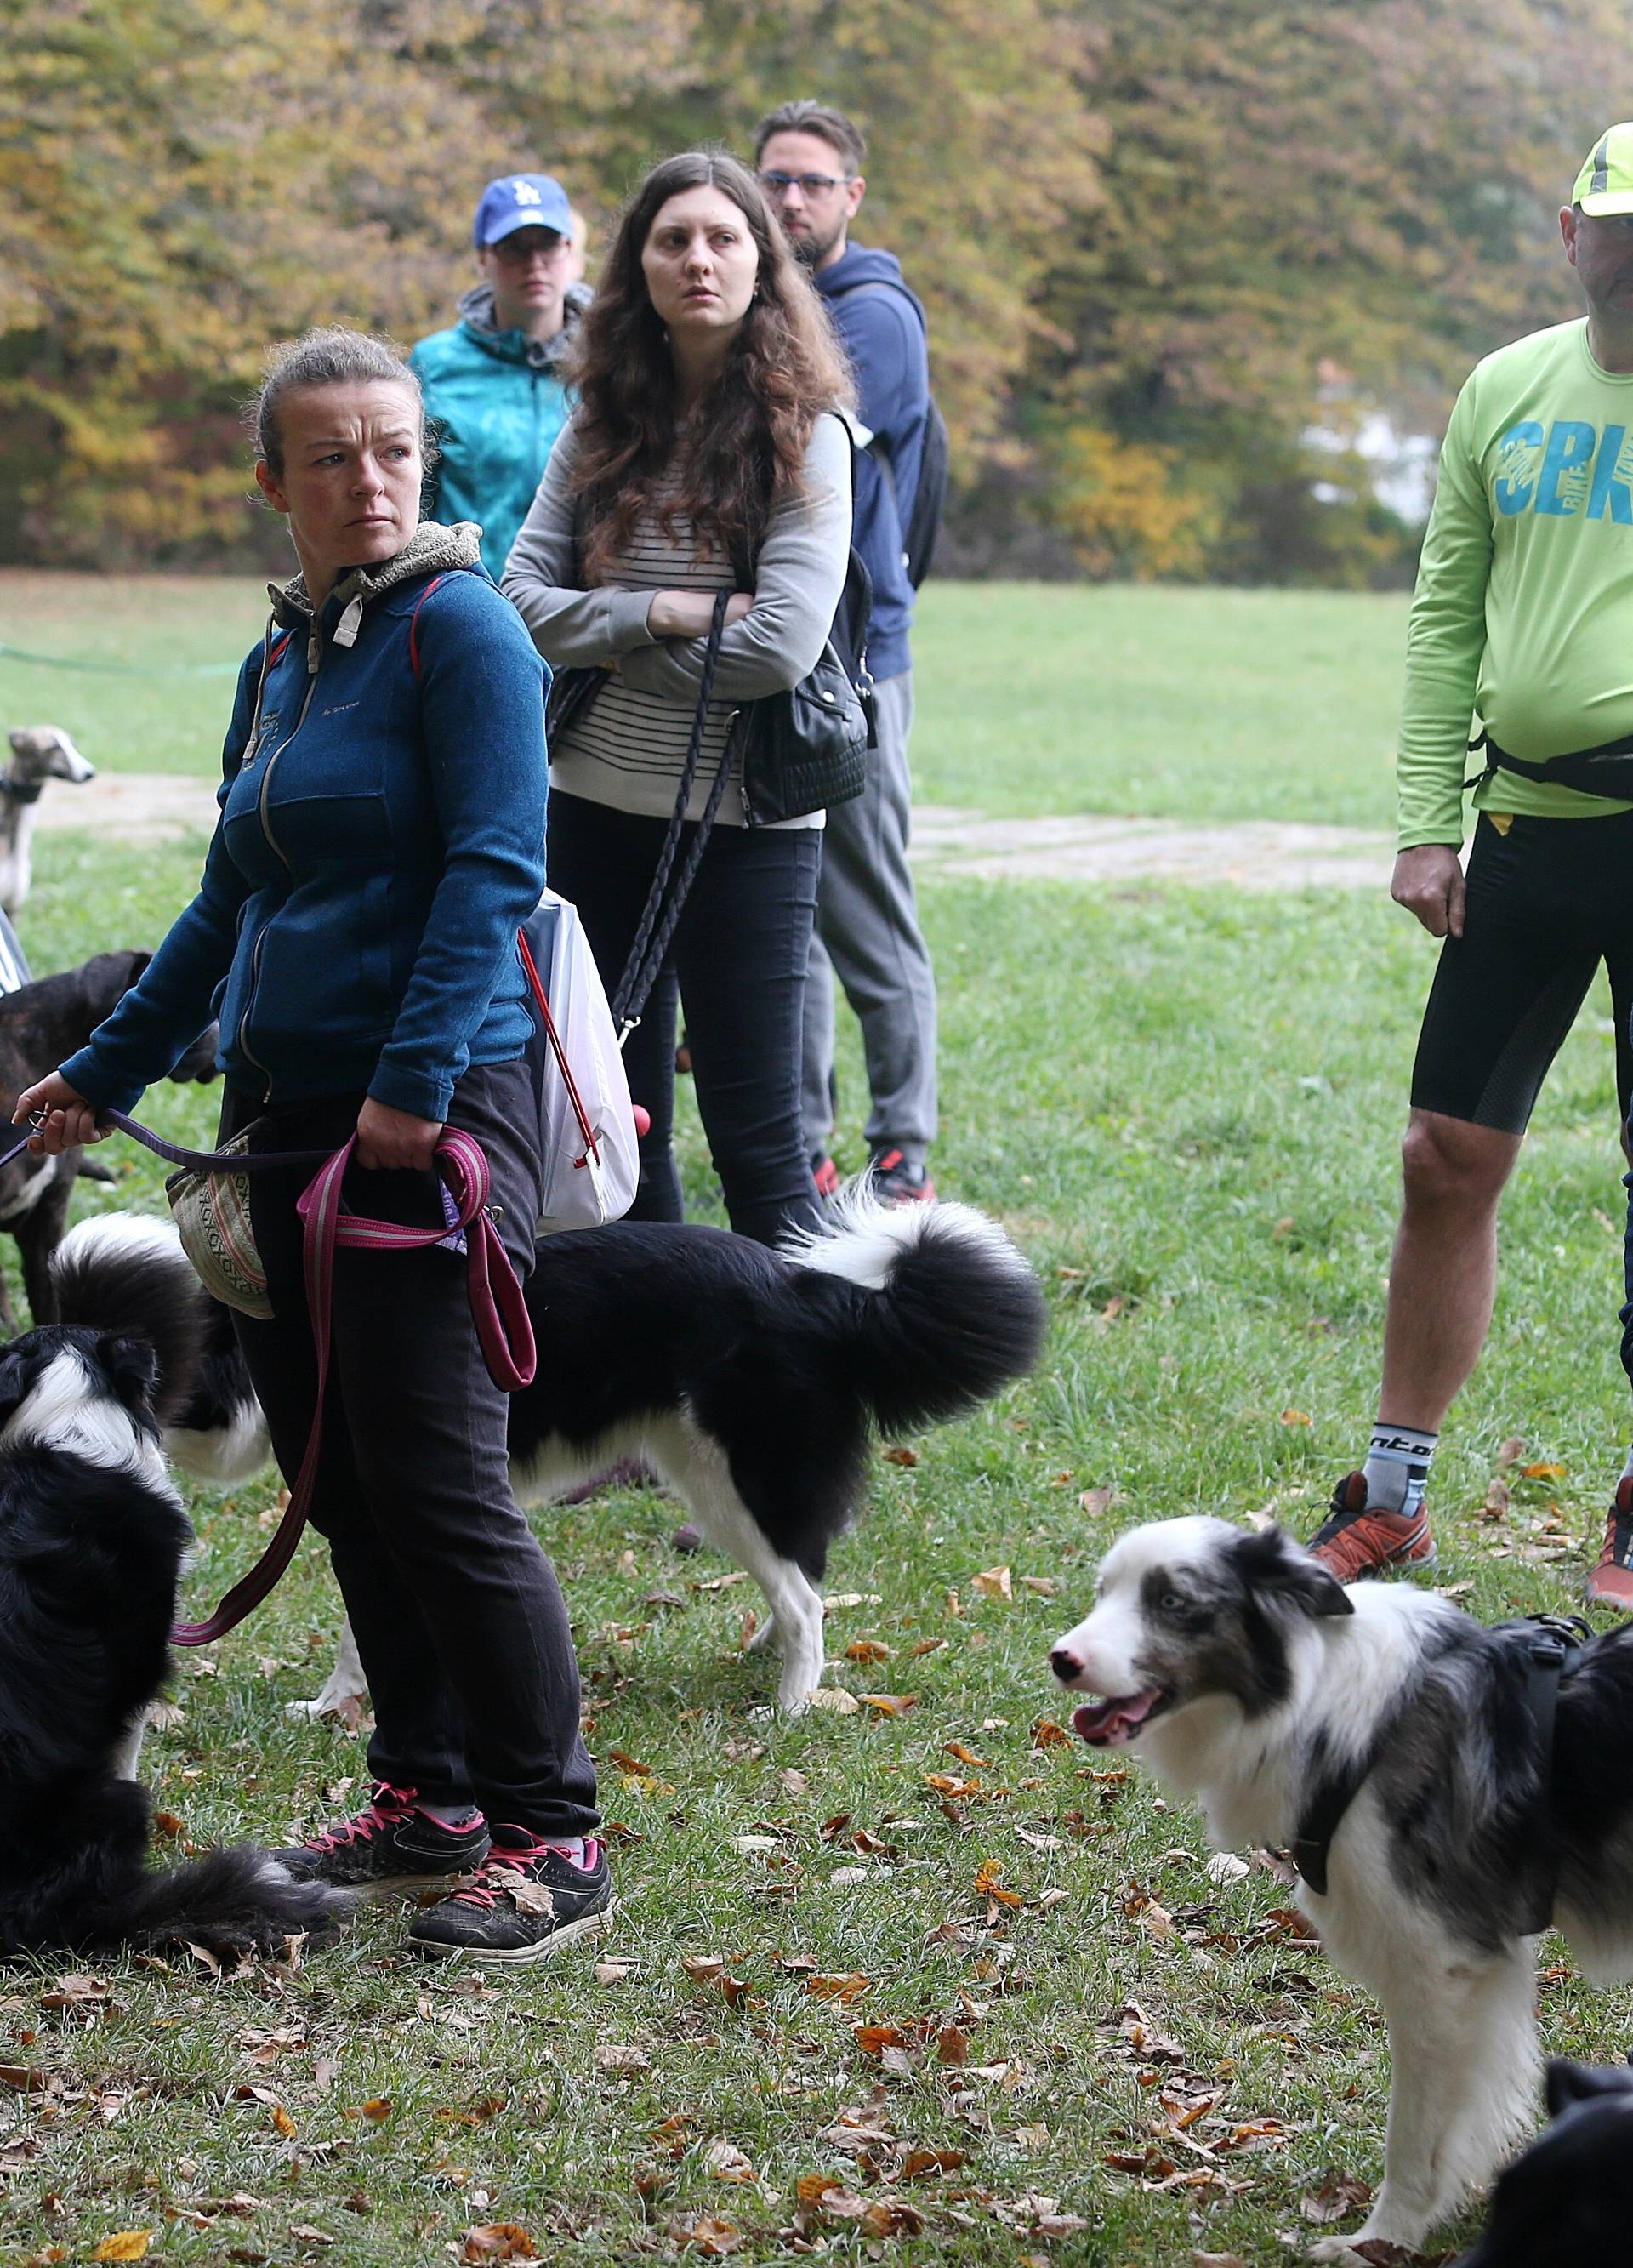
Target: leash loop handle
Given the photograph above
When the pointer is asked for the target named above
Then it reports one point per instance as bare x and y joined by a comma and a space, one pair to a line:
498, 1308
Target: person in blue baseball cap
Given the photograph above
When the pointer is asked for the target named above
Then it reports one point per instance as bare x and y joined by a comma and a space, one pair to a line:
492, 383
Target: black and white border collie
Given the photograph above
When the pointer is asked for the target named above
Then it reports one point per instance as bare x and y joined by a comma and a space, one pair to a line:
1247, 1677
92, 1539
751, 1381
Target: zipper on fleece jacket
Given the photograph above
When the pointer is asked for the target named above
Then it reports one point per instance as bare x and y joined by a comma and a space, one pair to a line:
314, 658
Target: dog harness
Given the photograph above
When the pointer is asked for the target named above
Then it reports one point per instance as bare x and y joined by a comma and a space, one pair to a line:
1552, 1646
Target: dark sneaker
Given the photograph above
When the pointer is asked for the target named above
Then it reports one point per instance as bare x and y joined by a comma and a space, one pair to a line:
389, 1845
528, 1901
1353, 1542
825, 1174
898, 1181
1611, 1582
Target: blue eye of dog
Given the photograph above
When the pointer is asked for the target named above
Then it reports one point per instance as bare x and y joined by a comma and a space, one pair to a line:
1171, 1603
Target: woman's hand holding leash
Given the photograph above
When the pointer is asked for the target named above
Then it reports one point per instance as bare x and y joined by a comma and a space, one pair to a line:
59, 1115
395, 1139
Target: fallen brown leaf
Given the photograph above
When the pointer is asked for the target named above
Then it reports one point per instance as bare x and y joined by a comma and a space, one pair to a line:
931, 2162
702, 2233
994, 1583
845, 1989
127, 2244
1295, 1416
1338, 2196
499, 2239
889, 1704
284, 2124
898, 1456
867, 1649
610, 2056
727, 2163
1542, 1472
967, 1756
892, 2217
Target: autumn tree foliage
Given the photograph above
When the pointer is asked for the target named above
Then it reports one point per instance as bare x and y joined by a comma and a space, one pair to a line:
1157, 239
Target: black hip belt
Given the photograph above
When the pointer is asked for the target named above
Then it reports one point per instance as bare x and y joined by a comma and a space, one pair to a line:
1606, 771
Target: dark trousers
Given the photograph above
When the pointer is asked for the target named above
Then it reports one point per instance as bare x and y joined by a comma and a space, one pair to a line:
738, 960
457, 1617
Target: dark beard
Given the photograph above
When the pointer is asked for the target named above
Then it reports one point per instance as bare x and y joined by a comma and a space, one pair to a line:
811, 251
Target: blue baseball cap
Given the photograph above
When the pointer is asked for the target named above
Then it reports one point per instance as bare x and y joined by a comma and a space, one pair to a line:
522, 200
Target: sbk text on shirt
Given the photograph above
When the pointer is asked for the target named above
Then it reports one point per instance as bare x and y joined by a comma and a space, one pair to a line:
1568, 469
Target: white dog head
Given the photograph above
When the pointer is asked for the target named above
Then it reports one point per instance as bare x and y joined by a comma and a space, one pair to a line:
1191, 1610
43, 752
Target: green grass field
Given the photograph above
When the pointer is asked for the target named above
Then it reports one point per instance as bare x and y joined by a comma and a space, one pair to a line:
1186, 1105
1033, 698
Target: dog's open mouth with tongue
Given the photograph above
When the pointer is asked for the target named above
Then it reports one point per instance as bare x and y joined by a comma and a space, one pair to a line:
1112, 1724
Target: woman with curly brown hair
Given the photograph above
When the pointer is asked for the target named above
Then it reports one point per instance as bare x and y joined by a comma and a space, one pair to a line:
703, 457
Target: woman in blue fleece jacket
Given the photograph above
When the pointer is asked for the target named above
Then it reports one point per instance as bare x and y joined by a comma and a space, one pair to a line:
381, 838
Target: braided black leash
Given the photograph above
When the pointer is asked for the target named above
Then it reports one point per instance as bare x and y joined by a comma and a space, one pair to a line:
652, 938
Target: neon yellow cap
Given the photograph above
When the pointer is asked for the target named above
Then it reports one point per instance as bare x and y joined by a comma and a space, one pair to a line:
1605, 185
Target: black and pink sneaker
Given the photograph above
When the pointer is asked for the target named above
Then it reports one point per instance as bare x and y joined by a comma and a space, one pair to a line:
529, 1900
389, 1845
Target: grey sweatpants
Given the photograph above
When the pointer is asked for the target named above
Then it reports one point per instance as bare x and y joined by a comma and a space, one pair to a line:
868, 933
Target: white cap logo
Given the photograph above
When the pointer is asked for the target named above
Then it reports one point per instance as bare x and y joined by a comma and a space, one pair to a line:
525, 193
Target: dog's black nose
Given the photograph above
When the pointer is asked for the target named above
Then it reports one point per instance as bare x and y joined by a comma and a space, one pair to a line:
1065, 1665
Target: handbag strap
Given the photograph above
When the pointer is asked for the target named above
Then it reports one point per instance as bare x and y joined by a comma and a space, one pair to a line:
592, 1145
653, 935
504, 1328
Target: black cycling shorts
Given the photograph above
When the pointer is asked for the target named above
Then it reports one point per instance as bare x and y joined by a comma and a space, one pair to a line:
1547, 902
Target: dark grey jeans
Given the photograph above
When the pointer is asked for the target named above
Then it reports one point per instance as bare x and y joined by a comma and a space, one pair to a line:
457, 1617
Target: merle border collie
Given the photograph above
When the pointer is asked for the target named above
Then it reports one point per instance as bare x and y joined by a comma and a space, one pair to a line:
1247, 1677
92, 1539
751, 1381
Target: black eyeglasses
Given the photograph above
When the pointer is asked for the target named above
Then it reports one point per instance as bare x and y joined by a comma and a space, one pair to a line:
809, 184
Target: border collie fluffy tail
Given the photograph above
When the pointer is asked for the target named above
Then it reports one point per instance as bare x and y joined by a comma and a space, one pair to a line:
92, 1538
958, 1316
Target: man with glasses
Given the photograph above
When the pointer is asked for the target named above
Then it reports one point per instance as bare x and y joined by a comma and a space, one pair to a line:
810, 163
492, 383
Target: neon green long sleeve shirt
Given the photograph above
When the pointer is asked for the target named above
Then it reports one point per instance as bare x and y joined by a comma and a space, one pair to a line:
1523, 613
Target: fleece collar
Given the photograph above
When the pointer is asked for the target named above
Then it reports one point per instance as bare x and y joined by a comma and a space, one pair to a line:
432, 549
476, 313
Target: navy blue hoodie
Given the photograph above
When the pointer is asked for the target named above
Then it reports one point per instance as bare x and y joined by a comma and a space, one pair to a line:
882, 326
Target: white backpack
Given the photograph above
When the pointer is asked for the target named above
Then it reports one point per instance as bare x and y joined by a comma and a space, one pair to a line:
586, 1126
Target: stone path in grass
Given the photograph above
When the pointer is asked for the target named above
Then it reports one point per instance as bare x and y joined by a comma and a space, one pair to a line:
1251, 854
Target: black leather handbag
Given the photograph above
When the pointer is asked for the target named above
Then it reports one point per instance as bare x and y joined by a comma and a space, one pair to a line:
807, 748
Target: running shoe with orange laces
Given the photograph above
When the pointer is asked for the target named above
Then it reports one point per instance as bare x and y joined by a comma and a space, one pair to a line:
1611, 1582
898, 1180
1353, 1541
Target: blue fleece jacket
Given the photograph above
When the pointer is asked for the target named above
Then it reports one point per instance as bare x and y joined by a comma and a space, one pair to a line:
881, 326
381, 838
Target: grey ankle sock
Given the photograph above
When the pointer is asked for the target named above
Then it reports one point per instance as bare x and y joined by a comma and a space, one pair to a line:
455, 1817
1397, 1468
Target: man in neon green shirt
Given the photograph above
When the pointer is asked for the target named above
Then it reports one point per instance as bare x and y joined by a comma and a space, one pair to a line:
1523, 617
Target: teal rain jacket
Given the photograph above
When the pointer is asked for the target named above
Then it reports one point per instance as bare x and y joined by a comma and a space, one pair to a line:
496, 402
